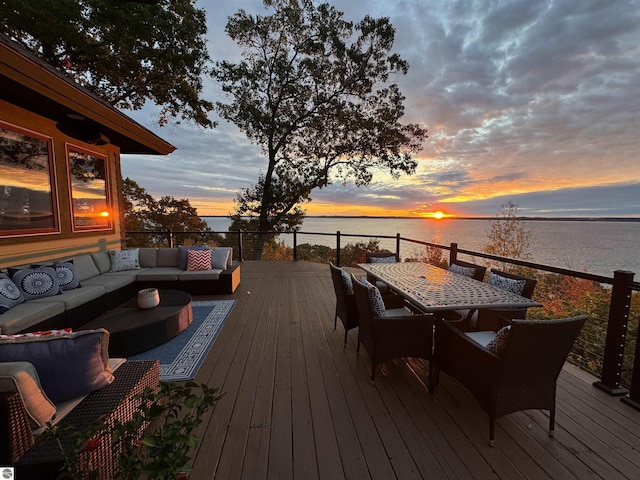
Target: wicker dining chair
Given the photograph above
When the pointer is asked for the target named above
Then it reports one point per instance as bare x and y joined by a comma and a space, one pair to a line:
521, 376
380, 257
345, 300
387, 337
478, 270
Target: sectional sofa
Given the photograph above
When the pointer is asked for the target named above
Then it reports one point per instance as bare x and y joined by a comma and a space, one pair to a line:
108, 278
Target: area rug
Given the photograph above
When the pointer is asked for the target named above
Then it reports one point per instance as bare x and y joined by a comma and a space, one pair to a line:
181, 357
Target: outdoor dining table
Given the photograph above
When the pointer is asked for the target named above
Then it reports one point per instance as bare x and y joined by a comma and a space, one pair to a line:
433, 289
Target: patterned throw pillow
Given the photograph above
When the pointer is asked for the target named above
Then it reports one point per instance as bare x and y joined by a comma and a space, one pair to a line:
346, 282
376, 302
460, 270
182, 254
389, 259
43, 333
499, 344
124, 260
508, 284
66, 274
36, 282
219, 256
10, 294
198, 260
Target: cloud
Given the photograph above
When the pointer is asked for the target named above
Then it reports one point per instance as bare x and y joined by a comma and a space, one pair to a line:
535, 101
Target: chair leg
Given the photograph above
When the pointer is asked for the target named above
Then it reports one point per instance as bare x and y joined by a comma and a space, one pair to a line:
346, 332
552, 421
335, 319
492, 431
432, 376
373, 373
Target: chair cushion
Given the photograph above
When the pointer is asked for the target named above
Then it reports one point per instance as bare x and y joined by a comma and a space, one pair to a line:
347, 283
69, 365
22, 377
124, 260
36, 282
460, 270
389, 259
499, 344
508, 284
10, 294
376, 302
198, 260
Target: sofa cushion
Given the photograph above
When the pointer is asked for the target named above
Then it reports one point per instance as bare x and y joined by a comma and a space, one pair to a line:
10, 294
37, 282
68, 365
102, 260
78, 296
22, 377
85, 267
124, 260
113, 281
159, 274
182, 254
148, 257
26, 315
168, 257
199, 275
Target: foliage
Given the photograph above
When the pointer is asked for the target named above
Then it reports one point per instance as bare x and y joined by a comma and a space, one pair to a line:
174, 412
124, 52
507, 235
143, 213
313, 91
433, 255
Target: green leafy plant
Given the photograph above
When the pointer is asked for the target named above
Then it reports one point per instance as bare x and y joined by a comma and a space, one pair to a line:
162, 453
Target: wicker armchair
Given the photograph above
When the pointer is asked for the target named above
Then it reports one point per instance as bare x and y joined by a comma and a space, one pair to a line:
523, 377
388, 337
345, 301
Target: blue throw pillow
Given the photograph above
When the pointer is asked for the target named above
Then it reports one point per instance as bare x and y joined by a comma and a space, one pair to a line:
10, 294
66, 274
69, 365
36, 282
182, 254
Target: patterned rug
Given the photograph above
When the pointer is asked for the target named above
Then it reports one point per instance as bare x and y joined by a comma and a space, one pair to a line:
181, 357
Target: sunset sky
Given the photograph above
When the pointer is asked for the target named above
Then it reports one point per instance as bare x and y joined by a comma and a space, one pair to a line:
533, 102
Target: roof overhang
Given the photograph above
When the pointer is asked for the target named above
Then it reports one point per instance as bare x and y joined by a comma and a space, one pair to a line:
32, 84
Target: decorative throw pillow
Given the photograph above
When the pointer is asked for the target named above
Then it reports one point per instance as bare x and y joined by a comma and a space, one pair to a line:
389, 259
346, 282
376, 302
66, 274
68, 365
508, 284
124, 260
36, 282
22, 377
198, 260
10, 294
219, 256
499, 344
460, 270
43, 333
182, 254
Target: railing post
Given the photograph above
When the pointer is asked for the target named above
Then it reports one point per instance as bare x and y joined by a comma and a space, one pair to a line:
338, 248
240, 253
634, 392
295, 246
398, 245
170, 237
616, 334
453, 253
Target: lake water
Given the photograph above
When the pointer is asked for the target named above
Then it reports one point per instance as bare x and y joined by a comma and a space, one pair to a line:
598, 247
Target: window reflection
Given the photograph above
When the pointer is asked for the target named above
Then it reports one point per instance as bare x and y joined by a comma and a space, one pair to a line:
91, 207
27, 193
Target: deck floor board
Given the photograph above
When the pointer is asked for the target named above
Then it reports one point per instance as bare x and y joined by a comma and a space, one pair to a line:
298, 404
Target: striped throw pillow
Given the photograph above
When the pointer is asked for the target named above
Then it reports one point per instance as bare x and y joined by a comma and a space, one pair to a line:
198, 260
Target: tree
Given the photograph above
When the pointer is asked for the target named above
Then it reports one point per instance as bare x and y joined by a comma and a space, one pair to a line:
507, 235
143, 213
313, 90
124, 52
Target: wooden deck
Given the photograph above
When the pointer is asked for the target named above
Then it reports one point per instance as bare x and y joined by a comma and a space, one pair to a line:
299, 405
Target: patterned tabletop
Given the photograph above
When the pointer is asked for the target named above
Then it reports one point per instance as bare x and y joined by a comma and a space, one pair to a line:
431, 288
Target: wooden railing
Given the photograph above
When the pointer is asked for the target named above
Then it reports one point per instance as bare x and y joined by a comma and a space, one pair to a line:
622, 285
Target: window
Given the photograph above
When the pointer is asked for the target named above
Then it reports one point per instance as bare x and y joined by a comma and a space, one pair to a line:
27, 188
91, 208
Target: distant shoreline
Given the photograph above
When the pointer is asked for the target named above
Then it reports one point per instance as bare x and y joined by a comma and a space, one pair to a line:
542, 219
